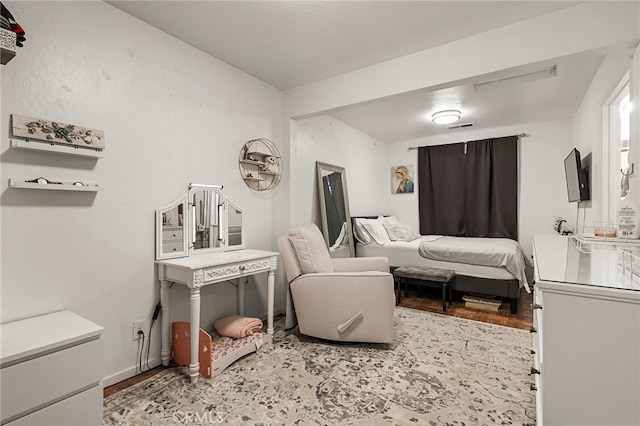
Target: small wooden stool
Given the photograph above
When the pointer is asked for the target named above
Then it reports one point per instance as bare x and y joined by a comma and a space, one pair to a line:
432, 277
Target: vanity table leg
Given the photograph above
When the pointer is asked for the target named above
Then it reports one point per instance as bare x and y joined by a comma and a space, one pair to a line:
241, 283
271, 284
194, 306
165, 353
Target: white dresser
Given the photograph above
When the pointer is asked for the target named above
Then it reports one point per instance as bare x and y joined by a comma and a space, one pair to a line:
586, 334
172, 239
51, 371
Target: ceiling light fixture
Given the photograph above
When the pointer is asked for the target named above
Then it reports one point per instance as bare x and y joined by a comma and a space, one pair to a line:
446, 116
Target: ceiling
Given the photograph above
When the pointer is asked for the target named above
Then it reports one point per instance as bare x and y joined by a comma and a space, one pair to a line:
293, 43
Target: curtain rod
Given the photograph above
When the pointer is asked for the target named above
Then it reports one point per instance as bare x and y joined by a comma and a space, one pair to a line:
520, 135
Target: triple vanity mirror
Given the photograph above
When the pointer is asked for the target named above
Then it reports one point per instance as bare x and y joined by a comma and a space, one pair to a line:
201, 220
334, 210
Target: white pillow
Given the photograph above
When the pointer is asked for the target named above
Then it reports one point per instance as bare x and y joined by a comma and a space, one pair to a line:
390, 219
400, 232
309, 244
360, 233
376, 230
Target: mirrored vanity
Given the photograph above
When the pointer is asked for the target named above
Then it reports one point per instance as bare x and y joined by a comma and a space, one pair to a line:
200, 240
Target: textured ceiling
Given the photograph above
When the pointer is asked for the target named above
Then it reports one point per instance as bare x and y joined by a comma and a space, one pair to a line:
293, 43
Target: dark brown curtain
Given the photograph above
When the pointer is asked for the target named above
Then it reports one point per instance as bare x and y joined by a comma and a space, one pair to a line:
440, 198
472, 194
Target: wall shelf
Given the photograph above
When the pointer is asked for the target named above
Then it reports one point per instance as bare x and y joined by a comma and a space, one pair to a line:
260, 164
253, 162
64, 186
56, 148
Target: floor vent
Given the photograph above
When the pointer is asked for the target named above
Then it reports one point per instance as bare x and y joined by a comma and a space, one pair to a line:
461, 126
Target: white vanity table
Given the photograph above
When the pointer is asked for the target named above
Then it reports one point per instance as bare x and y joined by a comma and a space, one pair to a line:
586, 332
210, 257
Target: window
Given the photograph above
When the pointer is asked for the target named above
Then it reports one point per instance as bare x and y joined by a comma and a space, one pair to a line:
616, 121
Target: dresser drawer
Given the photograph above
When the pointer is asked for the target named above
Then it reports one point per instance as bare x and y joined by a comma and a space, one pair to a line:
49, 378
172, 235
83, 409
168, 247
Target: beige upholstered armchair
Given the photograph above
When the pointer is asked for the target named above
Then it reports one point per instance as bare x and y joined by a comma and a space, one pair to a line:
348, 299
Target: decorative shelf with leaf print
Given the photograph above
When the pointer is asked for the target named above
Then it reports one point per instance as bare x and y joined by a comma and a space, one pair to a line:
59, 133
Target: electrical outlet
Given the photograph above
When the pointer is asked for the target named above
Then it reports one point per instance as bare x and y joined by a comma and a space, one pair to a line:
140, 325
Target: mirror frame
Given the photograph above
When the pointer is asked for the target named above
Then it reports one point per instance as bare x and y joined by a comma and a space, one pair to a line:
320, 167
188, 224
228, 247
160, 255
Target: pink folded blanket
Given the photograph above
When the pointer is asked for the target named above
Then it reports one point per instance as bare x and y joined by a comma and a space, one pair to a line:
237, 327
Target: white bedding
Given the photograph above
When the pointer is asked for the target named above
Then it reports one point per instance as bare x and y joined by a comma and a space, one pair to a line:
497, 252
405, 253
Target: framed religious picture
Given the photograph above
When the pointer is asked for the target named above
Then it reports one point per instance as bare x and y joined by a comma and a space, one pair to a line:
402, 179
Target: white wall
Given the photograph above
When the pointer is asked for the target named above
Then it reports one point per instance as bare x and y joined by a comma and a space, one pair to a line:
171, 115
542, 192
329, 140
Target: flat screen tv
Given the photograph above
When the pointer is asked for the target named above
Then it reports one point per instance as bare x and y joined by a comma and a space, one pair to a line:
577, 177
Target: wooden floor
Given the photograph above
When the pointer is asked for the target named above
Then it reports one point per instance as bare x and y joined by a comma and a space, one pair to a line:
430, 300
108, 391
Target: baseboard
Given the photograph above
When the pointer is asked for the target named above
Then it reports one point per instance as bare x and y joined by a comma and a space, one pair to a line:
127, 374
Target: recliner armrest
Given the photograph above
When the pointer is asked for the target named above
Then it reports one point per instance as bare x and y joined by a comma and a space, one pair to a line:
361, 264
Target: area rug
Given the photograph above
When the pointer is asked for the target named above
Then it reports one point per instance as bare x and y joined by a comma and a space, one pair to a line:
439, 370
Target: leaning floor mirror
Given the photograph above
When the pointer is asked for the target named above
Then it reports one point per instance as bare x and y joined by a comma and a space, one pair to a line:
334, 209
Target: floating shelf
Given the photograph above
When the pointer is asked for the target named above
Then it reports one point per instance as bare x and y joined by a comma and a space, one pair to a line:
64, 186
56, 148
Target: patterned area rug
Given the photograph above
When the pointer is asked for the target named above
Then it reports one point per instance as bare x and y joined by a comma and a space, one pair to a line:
439, 370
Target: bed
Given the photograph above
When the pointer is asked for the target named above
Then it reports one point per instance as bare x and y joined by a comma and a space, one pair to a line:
470, 277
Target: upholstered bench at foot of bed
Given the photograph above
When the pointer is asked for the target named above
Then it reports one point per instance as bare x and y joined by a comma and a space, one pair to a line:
425, 276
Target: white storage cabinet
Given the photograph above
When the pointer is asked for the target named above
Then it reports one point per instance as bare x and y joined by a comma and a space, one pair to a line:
51, 371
